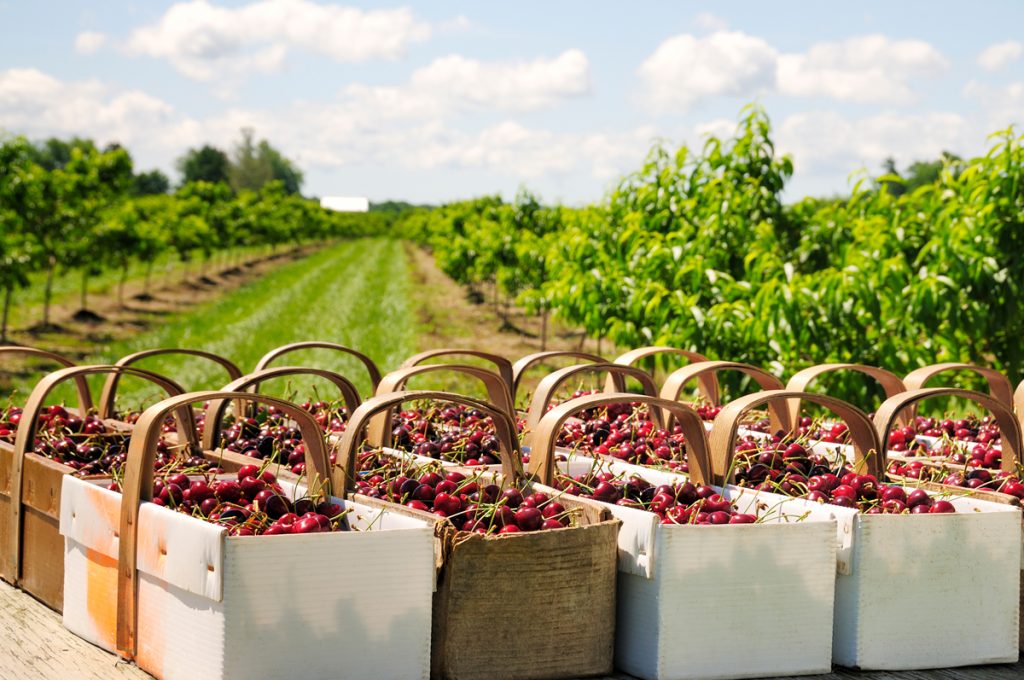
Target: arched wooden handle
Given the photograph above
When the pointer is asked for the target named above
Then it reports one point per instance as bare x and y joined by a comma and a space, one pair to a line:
503, 365
81, 385
109, 392
542, 458
215, 410
999, 385
498, 394
617, 374
504, 426
675, 382
1009, 426
707, 383
137, 486
371, 367
530, 360
869, 455
801, 380
25, 437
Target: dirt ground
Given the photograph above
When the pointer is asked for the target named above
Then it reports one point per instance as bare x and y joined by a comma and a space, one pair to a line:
77, 338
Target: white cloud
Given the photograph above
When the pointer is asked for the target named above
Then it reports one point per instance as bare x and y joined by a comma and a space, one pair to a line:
34, 103
1000, 106
205, 41
709, 22
719, 127
456, 83
89, 42
684, 70
869, 69
995, 57
827, 141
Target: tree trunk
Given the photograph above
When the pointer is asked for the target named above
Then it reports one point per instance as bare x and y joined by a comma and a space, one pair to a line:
48, 291
7, 310
85, 288
149, 274
544, 330
120, 285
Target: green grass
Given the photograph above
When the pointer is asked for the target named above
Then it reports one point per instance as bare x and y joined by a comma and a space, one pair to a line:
27, 303
354, 293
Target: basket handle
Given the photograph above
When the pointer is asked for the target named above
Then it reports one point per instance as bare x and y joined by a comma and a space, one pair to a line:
869, 454
617, 374
497, 391
542, 461
137, 486
706, 383
216, 409
1009, 426
999, 385
674, 384
81, 386
371, 367
505, 429
109, 392
890, 382
530, 360
25, 436
503, 365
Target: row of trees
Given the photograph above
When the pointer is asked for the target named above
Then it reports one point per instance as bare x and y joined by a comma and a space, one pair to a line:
72, 206
697, 250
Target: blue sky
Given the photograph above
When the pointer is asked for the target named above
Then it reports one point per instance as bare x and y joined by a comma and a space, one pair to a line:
436, 101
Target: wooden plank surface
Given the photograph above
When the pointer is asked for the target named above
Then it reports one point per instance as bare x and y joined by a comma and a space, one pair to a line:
34, 645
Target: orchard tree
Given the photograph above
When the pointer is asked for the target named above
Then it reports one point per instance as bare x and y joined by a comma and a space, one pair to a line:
205, 164
150, 183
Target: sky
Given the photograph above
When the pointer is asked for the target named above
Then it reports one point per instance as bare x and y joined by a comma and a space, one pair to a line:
430, 102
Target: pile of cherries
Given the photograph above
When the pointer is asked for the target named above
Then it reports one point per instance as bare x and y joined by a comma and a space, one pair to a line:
470, 502
268, 434
970, 477
450, 432
781, 465
252, 504
679, 503
90, 447
627, 434
10, 416
970, 429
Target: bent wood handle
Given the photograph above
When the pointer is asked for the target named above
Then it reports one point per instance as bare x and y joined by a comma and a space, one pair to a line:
542, 459
617, 374
674, 384
530, 360
81, 385
801, 380
503, 365
26, 433
498, 394
137, 487
1009, 426
869, 455
999, 385
109, 392
216, 409
505, 429
371, 367
707, 383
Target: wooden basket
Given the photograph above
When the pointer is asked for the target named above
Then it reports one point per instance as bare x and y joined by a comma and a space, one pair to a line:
487, 583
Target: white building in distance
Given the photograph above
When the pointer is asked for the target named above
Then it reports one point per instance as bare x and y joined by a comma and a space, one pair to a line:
345, 203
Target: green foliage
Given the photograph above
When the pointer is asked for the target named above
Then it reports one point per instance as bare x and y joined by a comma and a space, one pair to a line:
205, 164
696, 249
150, 183
254, 165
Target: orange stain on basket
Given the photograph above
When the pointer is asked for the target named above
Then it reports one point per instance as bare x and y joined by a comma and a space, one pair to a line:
101, 595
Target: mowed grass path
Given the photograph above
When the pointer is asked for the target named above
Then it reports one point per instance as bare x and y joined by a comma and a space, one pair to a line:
355, 293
